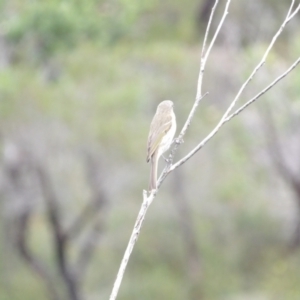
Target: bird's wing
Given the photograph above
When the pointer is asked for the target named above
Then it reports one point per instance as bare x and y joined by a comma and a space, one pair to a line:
158, 129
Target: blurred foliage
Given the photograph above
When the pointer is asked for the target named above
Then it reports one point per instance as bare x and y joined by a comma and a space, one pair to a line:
48, 27
98, 69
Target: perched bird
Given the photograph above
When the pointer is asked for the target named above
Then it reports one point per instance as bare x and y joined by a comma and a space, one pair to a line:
161, 134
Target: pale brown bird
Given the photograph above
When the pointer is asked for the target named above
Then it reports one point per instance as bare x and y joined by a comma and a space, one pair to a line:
161, 134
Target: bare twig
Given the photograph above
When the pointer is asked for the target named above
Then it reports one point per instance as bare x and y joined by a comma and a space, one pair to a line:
261, 63
179, 140
290, 16
207, 29
290, 9
293, 66
203, 60
225, 115
147, 200
135, 233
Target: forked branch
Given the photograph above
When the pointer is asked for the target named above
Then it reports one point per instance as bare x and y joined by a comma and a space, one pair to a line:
147, 199
225, 118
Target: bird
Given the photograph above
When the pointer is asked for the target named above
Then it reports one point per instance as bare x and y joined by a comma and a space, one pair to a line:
160, 138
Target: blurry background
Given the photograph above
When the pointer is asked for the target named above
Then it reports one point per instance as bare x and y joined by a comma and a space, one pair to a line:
79, 84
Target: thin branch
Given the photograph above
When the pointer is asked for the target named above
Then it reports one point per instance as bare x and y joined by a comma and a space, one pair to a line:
294, 13
224, 117
261, 63
293, 66
135, 233
148, 200
217, 31
203, 61
290, 9
179, 140
208, 28
190, 117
